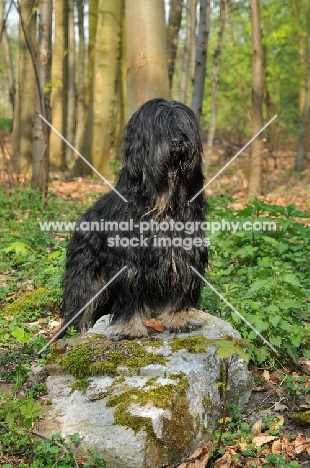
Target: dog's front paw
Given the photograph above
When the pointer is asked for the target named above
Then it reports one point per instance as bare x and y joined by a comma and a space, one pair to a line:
183, 321
130, 329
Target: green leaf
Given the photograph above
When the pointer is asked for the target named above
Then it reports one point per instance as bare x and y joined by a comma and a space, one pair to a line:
225, 351
19, 247
291, 279
54, 255
20, 335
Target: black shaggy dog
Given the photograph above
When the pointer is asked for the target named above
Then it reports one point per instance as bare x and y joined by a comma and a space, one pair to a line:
161, 173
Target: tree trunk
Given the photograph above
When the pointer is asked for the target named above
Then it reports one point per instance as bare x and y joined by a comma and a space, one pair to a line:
70, 108
301, 52
40, 162
59, 97
255, 182
9, 66
24, 115
239, 76
106, 55
80, 168
201, 57
302, 144
175, 15
215, 82
147, 73
189, 49
80, 84
121, 88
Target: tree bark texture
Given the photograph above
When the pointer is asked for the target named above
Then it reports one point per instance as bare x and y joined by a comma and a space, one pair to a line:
302, 141
106, 60
255, 182
175, 15
215, 82
201, 57
59, 96
147, 72
40, 161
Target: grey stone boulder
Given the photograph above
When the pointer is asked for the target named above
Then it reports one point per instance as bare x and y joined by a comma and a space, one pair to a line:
142, 403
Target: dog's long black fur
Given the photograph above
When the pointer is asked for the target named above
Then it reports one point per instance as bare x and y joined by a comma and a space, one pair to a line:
161, 172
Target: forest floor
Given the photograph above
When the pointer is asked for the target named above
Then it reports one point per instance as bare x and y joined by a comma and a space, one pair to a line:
278, 392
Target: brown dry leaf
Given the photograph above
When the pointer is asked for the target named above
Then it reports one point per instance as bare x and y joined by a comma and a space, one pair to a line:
155, 325
274, 426
202, 458
274, 378
302, 444
251, 462
276, 447
183, 465
288, 446
223, 462
263, 439
257, 427
266, 451
266, 375
198, 452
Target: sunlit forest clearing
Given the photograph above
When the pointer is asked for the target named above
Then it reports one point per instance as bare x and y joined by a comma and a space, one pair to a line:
72, 74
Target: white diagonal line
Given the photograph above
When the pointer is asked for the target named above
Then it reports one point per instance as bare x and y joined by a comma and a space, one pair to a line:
81, 310
82, 157
236, 155
235, 310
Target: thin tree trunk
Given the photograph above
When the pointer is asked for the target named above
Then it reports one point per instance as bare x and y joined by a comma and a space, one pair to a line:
9, 66
301, 52
40, 162
106, 55
201, 57
80, 84
121, 88
59, 96
175, 15
80, 168
239, 77
147, 73
185, 71
24, 115
255, 183
70, 110
192, 53
215, 82
302, 144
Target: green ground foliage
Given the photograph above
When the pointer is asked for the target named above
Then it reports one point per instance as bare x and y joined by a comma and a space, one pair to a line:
263, 274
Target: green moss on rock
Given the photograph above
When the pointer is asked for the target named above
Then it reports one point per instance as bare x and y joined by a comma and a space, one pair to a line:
191, 344
81, 385
160, 396
100, 356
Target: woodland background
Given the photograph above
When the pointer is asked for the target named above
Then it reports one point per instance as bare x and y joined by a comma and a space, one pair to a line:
86, 66
237, 63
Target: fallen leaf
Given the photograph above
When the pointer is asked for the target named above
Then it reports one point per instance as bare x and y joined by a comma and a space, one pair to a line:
251, 462
263, 439
266, 375
288, 446
276, 447
257, 427
223, 462
279, 407
155, 325
302, 444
